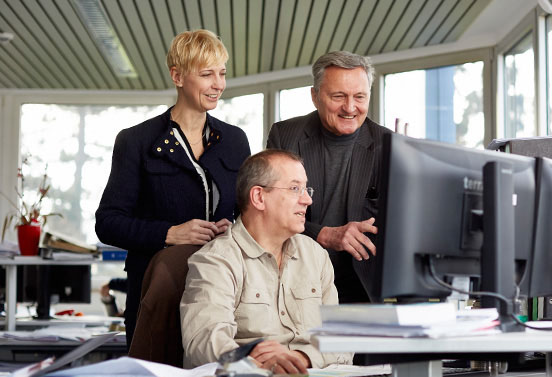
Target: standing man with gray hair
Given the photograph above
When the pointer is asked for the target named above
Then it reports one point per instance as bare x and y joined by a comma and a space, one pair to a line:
341, 149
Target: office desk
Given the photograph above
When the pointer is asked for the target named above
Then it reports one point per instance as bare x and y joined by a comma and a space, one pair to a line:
19, 353
432, 351
11, 278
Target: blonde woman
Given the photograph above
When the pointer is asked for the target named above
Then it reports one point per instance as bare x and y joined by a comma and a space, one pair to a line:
173, 176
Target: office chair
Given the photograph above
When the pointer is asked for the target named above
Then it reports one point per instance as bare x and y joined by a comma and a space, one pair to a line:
157, 336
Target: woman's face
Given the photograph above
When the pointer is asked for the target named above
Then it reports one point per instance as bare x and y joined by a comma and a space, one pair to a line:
202, 89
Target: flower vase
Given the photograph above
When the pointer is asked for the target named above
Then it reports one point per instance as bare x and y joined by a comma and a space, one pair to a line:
28, 236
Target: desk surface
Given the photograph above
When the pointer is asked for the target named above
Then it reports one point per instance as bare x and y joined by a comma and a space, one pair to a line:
36, 260
530, 340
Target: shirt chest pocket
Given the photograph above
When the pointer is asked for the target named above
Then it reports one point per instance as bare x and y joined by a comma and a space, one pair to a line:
253, 312
308, 297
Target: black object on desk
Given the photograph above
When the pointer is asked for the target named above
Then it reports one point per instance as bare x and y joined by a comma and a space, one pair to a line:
76, 353
37, 283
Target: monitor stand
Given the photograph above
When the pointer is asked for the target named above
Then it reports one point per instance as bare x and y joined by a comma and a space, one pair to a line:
498, 253
43, 293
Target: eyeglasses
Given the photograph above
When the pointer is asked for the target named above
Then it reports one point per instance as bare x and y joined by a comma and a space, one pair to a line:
299, 191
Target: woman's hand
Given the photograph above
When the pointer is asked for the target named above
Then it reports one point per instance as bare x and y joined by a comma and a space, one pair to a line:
280, 360
193, 232
222, 225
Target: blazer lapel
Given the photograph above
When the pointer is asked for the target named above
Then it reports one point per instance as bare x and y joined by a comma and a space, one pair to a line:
361, 171
168, 147
311, 149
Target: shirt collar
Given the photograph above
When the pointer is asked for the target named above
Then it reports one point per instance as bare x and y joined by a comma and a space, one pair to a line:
251, 248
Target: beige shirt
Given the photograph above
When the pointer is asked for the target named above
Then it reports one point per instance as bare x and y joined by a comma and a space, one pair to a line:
235, 293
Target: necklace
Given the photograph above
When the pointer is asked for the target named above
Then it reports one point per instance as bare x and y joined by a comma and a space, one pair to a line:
187, 139
200, 139
197, 142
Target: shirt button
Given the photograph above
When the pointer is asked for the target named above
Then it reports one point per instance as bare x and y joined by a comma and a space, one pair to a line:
270, 255
283, 313
313, 290
297, 332
258, 295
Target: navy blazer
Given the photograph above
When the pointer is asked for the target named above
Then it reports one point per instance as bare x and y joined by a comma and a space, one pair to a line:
302, 135
153, 185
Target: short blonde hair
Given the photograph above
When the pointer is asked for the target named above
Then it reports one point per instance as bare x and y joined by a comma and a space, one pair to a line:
193, 50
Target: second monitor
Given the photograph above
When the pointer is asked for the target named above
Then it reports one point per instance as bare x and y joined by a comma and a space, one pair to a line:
431, 211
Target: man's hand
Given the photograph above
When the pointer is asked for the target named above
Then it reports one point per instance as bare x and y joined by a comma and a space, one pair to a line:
193, 232
104, 290
280, 360
349, 238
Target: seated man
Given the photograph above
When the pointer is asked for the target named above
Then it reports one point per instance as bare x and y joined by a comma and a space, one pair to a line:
262, 278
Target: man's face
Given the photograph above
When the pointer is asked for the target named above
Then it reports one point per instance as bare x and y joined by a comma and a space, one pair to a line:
285, 208
342, 100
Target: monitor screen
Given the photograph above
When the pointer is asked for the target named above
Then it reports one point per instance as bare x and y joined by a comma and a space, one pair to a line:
67, 284
431, 206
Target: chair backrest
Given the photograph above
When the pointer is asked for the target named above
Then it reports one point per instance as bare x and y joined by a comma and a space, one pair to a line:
157, 336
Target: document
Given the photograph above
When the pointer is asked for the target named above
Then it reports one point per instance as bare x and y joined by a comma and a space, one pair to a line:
390, 314
465, 323
341, 370
128, 366
67, 255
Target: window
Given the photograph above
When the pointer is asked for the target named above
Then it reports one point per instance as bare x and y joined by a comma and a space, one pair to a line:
519, 90
295, 102
76, 144
444, 104
548, 130
245, 112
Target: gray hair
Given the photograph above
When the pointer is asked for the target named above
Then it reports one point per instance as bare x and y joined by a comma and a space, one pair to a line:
257, 170
341, 59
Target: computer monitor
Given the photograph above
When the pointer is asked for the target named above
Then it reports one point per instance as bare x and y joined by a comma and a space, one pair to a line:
431, 210
540, 283
50, 284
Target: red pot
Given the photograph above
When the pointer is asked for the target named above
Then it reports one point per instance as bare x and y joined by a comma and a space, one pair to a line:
28, 237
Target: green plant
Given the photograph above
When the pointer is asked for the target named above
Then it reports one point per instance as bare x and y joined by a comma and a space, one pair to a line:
27, 213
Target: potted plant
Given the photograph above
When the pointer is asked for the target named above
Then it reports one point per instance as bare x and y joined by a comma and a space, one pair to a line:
27, 217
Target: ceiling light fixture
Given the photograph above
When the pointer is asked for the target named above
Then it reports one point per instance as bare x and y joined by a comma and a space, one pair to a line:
6, 37
94, 16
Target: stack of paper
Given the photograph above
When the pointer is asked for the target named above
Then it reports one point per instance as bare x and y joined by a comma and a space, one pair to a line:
8, 249
124, 366
433, 320
58, 241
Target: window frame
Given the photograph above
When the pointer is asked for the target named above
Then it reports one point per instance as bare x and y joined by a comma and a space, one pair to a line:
10, 121
534, 22
270, 89
435, 61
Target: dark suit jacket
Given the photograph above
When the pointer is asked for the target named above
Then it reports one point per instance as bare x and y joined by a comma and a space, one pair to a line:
302, 136
153, 186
